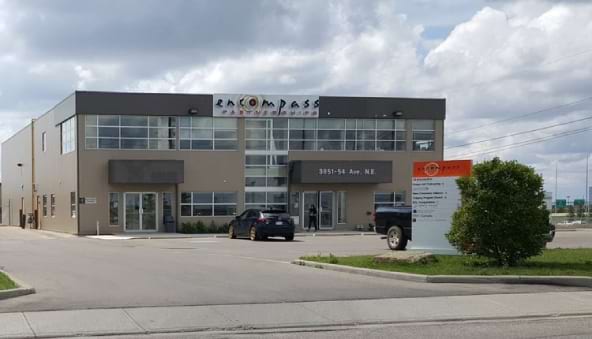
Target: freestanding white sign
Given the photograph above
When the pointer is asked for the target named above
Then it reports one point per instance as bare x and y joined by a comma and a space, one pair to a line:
435, 197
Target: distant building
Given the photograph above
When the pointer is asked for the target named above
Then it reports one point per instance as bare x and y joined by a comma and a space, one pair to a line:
549, 200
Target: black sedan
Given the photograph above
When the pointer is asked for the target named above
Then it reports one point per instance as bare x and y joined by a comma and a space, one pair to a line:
259, 224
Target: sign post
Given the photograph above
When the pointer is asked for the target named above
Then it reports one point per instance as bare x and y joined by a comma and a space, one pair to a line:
435, 197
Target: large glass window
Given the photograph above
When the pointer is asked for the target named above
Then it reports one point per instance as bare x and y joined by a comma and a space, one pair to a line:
130, 132
205, 204
205, 133
275, 200
389, 199
68, 136
325, 134
113, 208
423, 135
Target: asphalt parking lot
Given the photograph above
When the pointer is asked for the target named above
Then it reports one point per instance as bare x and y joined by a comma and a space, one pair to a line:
78, 273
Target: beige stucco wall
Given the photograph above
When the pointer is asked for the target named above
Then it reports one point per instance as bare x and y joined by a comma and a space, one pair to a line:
55, 173
16, 181
205, 171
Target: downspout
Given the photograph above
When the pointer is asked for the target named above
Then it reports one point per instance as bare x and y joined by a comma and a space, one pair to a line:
33, 184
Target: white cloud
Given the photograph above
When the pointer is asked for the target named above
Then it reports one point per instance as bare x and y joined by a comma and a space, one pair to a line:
499, 61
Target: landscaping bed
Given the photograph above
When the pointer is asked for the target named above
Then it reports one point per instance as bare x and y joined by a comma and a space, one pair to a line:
553, 262
6, 283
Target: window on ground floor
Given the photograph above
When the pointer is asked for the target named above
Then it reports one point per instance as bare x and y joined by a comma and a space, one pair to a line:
52, 202
73, 204
275, 200
389, 199
113, 208
341, 208
45, 205
207, 204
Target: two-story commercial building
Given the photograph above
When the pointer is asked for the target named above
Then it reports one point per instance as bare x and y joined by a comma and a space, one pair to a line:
128, 162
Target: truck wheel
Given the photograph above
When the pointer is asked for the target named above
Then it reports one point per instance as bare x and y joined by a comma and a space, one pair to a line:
395, 239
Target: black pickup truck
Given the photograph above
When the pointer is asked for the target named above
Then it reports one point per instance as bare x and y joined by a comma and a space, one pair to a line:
395, 223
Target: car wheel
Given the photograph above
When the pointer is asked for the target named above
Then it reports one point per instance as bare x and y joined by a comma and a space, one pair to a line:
290, 237
395, 239
231, 234
253, 233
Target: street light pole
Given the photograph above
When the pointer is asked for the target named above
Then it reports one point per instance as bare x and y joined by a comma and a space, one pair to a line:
587, 187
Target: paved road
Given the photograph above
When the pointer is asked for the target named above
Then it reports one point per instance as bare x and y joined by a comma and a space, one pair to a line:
79, 273
562, 327
580, 238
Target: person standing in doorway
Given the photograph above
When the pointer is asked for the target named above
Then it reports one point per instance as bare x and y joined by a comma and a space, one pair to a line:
312, 217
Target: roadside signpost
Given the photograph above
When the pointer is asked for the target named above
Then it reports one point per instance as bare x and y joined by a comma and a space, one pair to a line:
435, 197
560, 203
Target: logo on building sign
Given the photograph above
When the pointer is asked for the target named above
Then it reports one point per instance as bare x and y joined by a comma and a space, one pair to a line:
431, 169
266, 106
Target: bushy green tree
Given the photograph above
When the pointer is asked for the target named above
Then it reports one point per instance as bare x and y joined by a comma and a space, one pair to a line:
571, 215
503, 215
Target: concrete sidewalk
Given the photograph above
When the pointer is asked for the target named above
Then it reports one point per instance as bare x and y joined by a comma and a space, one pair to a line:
291, 315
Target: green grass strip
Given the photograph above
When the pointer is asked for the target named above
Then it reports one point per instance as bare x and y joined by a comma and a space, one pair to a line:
6, 283
568, 262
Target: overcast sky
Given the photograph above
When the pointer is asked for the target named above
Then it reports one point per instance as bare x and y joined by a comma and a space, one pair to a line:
491, 60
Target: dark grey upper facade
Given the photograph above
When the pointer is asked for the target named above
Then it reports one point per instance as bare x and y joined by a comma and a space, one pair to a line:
162, 104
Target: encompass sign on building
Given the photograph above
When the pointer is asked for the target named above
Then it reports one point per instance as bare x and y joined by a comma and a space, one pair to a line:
435, 197
268, 106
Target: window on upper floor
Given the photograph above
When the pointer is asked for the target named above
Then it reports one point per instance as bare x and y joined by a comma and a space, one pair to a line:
68, 135
130, 132
43, 141
205, 133
423, 135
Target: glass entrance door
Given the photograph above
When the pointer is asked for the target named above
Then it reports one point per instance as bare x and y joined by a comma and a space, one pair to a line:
132, 211
326, 210
140, 212
148, 212
308, 199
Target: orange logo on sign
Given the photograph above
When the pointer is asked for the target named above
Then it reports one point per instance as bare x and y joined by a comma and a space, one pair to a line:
451, 168
431, 169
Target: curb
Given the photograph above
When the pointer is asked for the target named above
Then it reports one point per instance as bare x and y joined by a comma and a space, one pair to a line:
576, 281
216, 235
22, 289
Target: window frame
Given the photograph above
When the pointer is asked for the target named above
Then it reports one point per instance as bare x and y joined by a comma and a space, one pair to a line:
92, 122
211, 203
73, 205
117, 208
68, 135
44, 202
43, 141
393, 203
52, 205
431, 142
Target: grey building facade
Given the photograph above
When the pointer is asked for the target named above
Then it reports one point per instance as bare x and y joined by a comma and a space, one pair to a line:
129, 162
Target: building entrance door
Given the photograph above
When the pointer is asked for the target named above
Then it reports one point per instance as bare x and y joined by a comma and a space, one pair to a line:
324, 202
326, 209
140, 212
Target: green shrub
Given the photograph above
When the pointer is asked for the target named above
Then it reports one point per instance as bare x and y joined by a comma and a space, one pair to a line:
200, 228
502, 216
